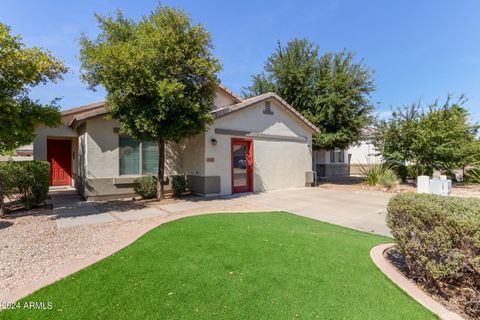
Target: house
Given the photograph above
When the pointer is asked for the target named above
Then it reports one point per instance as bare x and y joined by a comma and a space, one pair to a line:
341, 163
257, 144
363, 153
331, 164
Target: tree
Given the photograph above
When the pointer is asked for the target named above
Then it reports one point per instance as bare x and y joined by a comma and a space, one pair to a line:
332, 90
22, 68
159, 74
439, 136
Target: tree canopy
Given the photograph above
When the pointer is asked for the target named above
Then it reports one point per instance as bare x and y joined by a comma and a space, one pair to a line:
159, 74
439, 136
22, 68
330, 90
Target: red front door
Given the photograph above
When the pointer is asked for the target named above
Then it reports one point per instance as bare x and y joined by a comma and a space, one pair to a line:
60, 157
242, 165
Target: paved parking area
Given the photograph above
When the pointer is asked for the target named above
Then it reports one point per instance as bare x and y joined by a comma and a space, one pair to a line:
361, 210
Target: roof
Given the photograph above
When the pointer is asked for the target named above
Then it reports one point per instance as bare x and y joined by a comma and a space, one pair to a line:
99, 111
84, 108
230, 92
248, 102
96, 109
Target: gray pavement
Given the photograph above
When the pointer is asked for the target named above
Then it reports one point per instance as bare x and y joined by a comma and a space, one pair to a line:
361, 210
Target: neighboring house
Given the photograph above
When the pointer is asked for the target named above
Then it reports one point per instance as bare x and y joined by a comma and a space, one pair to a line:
363, 154
340, 163
257, 144
24, 153
331, 164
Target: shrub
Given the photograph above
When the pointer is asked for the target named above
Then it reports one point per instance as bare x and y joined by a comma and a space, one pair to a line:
472, 175
379, 173
406, 172
179, 185
402, 172
440, 239
388, 178
26, 181
146, 187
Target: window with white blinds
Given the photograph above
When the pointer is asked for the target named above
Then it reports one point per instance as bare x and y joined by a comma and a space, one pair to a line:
149, 157
137, 157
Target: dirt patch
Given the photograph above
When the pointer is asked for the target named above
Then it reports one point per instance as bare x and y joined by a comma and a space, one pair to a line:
453, 301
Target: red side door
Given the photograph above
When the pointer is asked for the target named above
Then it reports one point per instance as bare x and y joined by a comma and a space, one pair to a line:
59, 154
242, 165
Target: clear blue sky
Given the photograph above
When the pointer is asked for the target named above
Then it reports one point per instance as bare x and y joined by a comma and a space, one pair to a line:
418, 49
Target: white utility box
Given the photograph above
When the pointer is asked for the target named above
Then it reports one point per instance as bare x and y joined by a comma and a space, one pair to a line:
423, 184
440, 186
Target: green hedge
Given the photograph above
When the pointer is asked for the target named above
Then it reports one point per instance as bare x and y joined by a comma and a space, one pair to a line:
26, 181
440, 239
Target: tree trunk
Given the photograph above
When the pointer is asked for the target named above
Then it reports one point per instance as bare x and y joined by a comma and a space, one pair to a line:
161, 169
2, 204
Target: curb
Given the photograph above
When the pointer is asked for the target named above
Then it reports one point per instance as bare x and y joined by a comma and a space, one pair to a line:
409, 287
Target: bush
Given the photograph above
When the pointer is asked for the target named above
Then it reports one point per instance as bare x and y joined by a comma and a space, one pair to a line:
440, 239
379, 173
472, 175
179, 185
26, 181
388, 179
146, 187
406, 172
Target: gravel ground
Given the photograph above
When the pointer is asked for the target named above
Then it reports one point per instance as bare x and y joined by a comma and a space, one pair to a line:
32, 247
459, 189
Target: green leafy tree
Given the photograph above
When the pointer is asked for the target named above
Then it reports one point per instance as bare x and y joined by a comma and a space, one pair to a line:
332, 90
159, 74
22, 68
439, 136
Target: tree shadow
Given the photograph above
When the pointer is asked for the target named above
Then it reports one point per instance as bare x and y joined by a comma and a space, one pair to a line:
5, 224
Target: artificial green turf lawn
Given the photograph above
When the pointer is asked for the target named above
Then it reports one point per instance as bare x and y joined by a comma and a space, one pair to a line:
233, 266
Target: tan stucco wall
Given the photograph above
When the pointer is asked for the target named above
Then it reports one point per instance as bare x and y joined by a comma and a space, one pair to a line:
102, 148
193, 151
102, 160
43, 133
323, 157
277, 163
222, 99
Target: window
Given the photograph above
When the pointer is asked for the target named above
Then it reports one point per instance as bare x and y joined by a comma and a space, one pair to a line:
149, 157
337, 156
137, 157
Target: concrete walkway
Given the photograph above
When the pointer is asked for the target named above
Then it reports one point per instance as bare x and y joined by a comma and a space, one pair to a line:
361, 210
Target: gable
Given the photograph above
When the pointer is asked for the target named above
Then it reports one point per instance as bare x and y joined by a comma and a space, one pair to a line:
272, 98
279, 121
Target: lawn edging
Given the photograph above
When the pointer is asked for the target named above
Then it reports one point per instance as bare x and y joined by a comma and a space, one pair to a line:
377, 255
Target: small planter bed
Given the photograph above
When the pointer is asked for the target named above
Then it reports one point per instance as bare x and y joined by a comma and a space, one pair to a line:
454, 300
438, 247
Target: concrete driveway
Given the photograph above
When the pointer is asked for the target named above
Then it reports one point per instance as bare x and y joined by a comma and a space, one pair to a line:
361, 210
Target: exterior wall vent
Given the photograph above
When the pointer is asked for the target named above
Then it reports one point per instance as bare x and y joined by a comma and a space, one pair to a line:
268, 109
